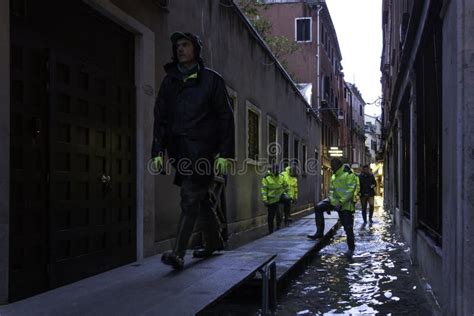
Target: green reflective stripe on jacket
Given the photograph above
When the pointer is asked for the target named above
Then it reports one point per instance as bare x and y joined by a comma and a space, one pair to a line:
357, 190
192, 76
341, 189
272, 188
291, 182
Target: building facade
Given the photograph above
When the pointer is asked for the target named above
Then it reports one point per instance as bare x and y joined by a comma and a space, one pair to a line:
428, 140
357, 140
373, 134
77, 197
345, 129
317, 62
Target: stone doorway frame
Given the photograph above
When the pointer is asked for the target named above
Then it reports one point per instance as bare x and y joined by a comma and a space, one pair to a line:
145, 83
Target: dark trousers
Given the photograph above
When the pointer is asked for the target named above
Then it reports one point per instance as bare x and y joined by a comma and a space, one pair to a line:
347, 221
274, 211
319, 210
195, 205
363, 202
346, 218
287, 210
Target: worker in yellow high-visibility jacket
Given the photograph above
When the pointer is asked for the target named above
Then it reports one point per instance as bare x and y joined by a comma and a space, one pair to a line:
342, 187
291, 180
273, 186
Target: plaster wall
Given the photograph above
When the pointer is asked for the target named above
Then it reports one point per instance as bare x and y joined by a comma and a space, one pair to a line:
255, 78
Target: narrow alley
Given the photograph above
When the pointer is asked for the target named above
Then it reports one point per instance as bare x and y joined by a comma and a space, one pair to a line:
178, 157
378, 279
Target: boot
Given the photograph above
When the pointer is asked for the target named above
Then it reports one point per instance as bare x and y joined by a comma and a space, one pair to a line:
185, 229
319, 227
209, 246
211, 237
204, 253
173, 260
349, 253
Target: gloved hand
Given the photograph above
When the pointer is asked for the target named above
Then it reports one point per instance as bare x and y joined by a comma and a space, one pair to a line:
157, 163
328, 211
221, 165
338, 207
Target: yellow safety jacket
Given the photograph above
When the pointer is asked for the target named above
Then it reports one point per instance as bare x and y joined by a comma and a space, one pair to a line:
342, 187
292, 184
357, 191
273, 186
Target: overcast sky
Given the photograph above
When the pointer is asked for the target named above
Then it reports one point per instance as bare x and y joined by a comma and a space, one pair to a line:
358, 26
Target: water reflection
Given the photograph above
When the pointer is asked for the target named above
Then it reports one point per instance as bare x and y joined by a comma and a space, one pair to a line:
377, 279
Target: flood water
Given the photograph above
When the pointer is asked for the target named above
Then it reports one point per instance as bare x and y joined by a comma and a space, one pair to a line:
377, 280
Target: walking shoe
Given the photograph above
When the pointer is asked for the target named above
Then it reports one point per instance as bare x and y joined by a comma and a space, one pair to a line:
315, 236
173, 260
203, 253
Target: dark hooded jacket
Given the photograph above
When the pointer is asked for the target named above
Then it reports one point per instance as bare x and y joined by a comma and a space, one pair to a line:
367, 184
193, 117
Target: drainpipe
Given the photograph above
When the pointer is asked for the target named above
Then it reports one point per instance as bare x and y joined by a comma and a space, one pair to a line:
399, 216
351, 156
413, 176
319, 7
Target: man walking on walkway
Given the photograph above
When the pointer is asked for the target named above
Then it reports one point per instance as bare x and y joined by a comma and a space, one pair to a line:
194, 124
289, 176
367, 193
342, 187
273, 187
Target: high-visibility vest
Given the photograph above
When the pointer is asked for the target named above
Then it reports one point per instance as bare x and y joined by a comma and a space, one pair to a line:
273, 186
356, 179
342, 187
291, 182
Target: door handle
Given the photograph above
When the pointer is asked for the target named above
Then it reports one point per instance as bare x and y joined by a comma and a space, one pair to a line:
105, 179
106, 185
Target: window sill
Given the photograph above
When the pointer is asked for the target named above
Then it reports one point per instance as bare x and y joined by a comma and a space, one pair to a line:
254, 162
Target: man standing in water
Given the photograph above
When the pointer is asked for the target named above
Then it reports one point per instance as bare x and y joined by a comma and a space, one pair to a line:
342, 187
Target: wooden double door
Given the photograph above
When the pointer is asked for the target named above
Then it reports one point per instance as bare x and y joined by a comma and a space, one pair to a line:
73, 176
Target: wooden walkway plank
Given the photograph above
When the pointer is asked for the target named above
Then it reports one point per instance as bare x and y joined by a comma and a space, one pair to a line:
150, 288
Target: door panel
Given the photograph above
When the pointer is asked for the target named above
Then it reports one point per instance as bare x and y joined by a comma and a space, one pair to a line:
73, 151
29, 159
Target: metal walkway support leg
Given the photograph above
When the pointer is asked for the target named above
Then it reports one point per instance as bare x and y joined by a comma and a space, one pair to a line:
273, 286
268, 273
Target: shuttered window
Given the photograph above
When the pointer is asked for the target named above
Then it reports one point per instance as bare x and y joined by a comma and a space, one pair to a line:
303, 29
